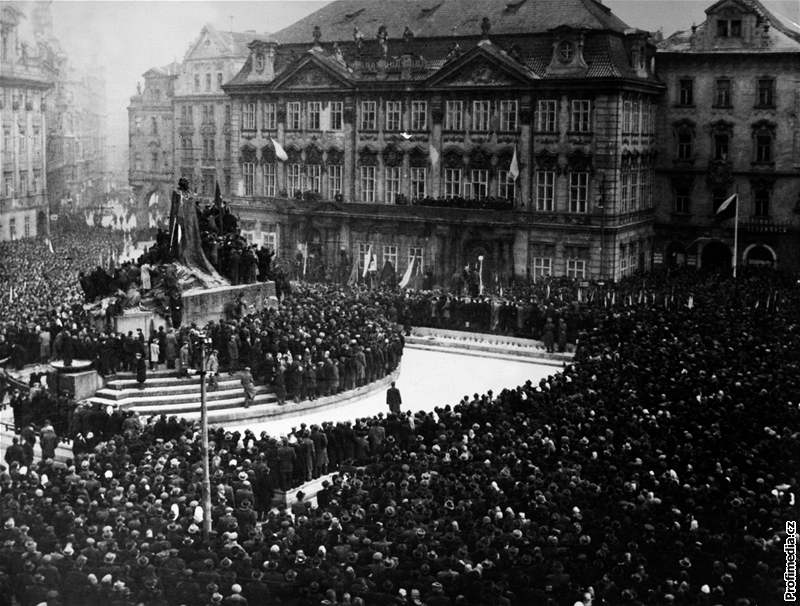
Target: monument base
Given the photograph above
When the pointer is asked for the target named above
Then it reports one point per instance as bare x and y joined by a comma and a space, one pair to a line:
133, 319
202, 305
80, 385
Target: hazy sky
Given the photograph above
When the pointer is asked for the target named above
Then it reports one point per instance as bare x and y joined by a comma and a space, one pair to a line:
129, 37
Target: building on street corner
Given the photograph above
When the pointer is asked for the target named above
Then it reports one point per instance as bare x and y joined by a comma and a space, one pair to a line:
26, 76
730, 123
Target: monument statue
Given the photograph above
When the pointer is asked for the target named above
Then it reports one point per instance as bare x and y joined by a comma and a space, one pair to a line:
185, 244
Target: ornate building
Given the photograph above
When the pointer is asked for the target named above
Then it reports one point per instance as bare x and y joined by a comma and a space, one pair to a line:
180, 123
151, 129
26, 75
520, 132
730, 123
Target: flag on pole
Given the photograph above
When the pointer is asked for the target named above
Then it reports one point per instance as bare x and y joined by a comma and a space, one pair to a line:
513, 170
433, 154
407, 275
50, 246
690, 303
352, 280
727, 210
367, 260
11, 293
280, 153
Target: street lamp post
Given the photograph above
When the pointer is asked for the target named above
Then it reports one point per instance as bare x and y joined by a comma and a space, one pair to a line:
204, 438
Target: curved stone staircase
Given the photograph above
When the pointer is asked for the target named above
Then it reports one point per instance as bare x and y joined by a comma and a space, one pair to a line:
165, 392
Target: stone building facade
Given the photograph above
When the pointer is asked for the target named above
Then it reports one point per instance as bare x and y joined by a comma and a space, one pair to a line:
525, 136
730, 123
26, 75
180, 122
151, 142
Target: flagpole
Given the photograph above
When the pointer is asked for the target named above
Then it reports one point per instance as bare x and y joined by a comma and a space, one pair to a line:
736, 234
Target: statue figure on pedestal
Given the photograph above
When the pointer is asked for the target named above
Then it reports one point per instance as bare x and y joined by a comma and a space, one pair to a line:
185, 244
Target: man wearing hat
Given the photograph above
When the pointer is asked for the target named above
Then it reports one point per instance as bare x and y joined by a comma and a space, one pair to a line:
212, 370
393, 399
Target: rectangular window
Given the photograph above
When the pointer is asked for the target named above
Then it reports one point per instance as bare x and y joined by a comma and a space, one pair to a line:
644, 188
363, 249
27, 226
480, 115
394, 114
634, 182
546, 116
390, 255
763, 147
454, 115
269, 118
293, 115
154, 161
416, 253
294, 179
576, 268
685, 144
761, 203
766, 92
314, 115
545, 190
419, 115
685, 91
419, 187
269, 235
337, 113
228, 113
682, 205
334, 179
367, 184
227, 145
368, 118
219, 79
249, 116
729, 28
249, 172
12, 228
314, 177
452, 182
542, 266
479, 184
392, 184
208, 82
270, 180
506, 186
636, 108
580, 121
508, 115
722, 93
626, 117
625, 187
578, 191
721, 145
623, 259
197, 82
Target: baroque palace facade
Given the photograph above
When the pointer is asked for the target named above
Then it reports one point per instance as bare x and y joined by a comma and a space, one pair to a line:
519, 132
730, 123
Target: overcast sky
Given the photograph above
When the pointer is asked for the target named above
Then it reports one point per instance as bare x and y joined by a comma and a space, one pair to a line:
129, 37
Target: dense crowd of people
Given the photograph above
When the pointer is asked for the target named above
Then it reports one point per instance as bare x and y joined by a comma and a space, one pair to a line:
658, 468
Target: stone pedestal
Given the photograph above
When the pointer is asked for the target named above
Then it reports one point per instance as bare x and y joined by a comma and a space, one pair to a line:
133, 319
202, 305
81, 385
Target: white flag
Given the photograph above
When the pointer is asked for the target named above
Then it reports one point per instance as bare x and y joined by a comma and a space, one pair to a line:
367, 259
280, 153
433, 154
513, 170
407, 276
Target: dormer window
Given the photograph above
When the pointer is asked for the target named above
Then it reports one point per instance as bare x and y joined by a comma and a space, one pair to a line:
260, 62
566, 51
729, 28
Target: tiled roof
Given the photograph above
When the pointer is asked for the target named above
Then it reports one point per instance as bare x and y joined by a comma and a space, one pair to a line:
437, 18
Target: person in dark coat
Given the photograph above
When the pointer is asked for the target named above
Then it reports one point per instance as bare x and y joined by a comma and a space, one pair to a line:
49, 441
393, 399
548, 335
249, 387
141, 370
